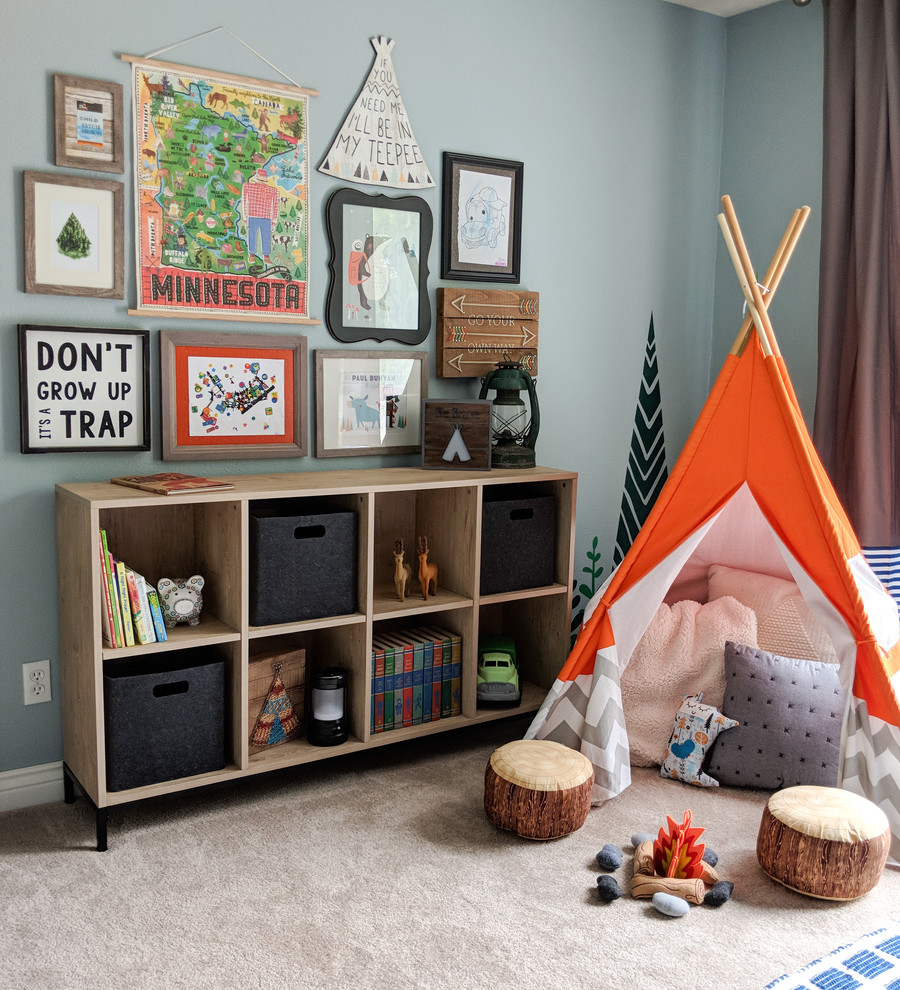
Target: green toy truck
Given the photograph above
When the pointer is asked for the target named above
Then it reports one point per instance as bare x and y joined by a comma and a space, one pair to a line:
498, 669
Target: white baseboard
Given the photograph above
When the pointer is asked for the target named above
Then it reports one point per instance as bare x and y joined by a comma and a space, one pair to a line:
31, 785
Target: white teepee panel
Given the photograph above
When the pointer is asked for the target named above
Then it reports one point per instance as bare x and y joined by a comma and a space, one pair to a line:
376, 145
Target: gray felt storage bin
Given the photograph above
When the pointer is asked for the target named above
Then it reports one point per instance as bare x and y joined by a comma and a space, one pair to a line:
518, 543
302, 565
164, 719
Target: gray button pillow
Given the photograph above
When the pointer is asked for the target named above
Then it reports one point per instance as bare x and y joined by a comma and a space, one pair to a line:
790, 714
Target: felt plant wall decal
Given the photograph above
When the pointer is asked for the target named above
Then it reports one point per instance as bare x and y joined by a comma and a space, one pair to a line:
677, 853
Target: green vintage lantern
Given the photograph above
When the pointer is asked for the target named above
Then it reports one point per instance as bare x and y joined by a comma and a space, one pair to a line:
514, 426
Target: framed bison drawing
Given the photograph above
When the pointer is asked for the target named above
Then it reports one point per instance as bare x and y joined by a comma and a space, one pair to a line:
369, 402
481, 238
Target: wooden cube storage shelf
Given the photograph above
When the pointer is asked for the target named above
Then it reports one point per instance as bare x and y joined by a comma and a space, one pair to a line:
209, 533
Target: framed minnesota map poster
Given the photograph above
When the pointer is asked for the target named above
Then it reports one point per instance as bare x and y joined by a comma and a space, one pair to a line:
221, 179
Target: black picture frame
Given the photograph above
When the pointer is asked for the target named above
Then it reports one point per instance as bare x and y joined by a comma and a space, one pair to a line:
396, 262
83, 389
477, 254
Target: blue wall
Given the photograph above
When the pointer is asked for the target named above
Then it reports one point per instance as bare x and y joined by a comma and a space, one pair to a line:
772, 164
615, 106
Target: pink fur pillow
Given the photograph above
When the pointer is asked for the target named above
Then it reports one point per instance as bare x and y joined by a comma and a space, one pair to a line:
681, 653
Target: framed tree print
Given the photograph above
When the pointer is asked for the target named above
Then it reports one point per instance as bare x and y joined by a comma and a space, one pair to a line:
231, 396
73, 235
378, 289
481, 218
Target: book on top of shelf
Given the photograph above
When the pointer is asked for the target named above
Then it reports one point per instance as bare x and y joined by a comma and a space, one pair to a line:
171, 483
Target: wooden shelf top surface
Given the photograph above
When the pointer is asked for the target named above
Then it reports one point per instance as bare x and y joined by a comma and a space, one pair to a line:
341, 482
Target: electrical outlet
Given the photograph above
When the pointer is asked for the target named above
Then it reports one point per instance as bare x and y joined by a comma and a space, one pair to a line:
36, 682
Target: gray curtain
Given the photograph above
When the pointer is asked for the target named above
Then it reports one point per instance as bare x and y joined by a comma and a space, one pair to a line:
857, 418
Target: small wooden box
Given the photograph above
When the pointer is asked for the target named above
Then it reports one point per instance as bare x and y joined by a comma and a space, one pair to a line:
259, 680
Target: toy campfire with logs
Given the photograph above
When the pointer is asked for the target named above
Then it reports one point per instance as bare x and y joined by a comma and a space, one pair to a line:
673, 864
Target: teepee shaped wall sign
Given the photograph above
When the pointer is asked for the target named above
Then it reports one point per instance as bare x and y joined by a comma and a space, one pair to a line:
375, 145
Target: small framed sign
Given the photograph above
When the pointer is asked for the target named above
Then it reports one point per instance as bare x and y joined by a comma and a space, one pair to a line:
457, 435
82, 389
88, 123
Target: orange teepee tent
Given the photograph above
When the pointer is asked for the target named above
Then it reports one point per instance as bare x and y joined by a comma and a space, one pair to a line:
748, 491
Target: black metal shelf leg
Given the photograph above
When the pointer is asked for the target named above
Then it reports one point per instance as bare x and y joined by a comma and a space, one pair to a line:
70, 781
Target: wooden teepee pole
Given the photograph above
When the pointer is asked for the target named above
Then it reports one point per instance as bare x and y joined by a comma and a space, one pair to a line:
775, 271
753, 306
761, 316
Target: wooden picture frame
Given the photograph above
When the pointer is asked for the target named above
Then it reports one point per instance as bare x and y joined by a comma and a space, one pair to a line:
74, 235
232, 396
369, 402
88, 120
378, 286
481, 220
83, 389
457, 435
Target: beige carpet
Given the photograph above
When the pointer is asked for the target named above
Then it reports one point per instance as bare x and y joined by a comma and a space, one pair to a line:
382, 871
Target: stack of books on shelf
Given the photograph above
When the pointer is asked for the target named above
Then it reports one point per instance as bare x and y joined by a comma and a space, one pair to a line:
416, 677
131, 615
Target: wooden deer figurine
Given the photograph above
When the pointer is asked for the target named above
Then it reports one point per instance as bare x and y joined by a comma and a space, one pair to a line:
402, 571
427, 572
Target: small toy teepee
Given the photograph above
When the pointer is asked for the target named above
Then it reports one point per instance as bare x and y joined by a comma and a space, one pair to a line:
376, 145
278, 721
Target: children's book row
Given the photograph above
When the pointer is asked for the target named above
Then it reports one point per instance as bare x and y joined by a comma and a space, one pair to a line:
416, 677
131, 614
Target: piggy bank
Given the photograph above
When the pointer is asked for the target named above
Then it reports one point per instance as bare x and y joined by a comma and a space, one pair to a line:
180, 600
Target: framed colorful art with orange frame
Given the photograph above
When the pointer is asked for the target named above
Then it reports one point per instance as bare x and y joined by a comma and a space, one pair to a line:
232, 396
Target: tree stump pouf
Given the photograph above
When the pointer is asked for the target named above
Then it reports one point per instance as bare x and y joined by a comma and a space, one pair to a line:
823, 841
537, 788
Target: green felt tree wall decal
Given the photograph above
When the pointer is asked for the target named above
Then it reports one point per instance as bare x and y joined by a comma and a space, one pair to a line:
646, 472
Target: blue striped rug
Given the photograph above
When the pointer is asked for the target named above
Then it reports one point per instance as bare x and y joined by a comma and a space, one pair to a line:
873, 961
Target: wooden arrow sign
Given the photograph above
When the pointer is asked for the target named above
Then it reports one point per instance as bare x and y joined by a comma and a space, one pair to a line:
457, 334
482, 302
481, 327
465, 365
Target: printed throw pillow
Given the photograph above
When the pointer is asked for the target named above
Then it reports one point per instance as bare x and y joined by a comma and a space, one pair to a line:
790, 713
696, 728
